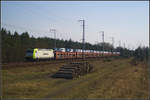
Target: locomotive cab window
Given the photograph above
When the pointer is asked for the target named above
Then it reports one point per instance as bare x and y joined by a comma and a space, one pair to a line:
29, 51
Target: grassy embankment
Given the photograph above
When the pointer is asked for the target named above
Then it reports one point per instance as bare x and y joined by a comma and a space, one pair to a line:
110, 79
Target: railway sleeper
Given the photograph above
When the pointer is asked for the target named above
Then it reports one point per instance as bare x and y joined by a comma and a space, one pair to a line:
73, 70
69, 67
63, 75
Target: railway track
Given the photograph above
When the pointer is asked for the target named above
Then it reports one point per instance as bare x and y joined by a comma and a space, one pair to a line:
30, 64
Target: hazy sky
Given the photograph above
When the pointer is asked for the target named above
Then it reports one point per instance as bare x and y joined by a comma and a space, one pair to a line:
126, 21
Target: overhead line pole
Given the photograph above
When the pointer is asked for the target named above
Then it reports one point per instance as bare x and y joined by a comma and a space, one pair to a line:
113, 43
124, 46
54, 30
83, 40
119, 43
103, 41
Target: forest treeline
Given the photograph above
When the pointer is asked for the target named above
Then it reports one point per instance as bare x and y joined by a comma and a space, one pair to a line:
14, 46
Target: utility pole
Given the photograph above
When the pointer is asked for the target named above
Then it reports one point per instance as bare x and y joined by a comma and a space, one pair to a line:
124, 50
103, 41
112, 41
54, 30
119, 43
96, 45
83, 40
129, 46
124, 45
119, 46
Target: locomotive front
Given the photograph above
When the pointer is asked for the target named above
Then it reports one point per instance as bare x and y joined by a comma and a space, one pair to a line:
30, 54
39, 54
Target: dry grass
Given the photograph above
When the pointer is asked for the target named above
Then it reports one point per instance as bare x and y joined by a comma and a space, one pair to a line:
115, 78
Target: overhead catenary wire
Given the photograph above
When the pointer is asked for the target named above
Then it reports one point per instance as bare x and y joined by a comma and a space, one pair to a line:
34, 12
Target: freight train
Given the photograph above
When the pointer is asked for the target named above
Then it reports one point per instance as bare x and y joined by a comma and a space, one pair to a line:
65, 53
